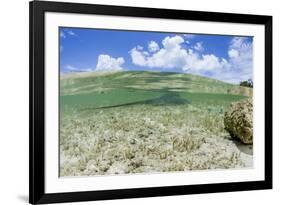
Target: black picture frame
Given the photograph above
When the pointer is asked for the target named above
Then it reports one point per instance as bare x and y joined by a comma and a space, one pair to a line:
37, 194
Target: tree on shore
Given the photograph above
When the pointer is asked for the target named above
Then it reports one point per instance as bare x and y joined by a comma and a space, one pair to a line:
247, 83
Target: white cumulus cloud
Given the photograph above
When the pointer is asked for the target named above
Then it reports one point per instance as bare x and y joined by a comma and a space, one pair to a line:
174, 55
153, 46
70, 68
108, 63
71, 33
138, 57
198, 46
67, 33
232, 53
208, 62
172, 42
139, 47
189, 36
62, 34
240, 61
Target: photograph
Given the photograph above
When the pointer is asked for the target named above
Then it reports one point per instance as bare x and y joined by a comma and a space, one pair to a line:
142, 102
133, 102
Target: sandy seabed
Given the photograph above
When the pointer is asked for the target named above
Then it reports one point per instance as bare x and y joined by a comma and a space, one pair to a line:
147, 139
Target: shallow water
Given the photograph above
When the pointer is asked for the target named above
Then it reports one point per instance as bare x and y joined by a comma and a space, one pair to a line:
146, 138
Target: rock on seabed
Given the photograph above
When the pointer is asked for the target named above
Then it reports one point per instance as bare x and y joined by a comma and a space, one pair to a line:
238, 120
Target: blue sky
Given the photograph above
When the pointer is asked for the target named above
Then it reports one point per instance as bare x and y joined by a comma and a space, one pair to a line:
226, 58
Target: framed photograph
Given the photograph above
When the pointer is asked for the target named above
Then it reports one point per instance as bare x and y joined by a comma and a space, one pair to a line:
140, 102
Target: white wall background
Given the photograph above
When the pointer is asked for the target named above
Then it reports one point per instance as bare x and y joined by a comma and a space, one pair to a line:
14, 100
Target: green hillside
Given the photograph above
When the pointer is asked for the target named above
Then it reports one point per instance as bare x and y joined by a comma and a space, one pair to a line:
85, 91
